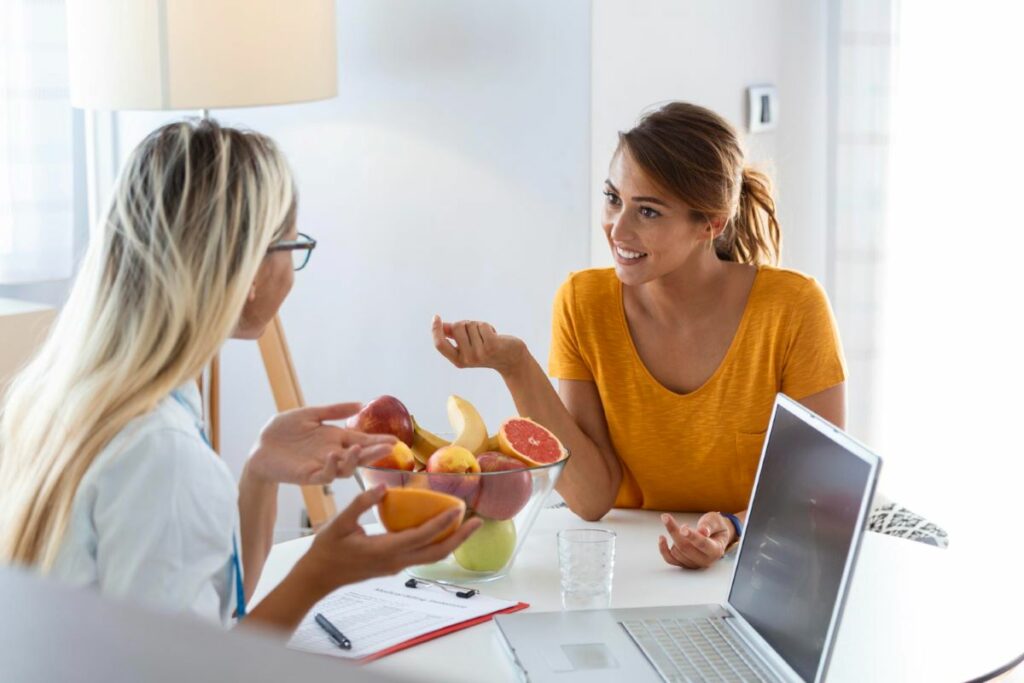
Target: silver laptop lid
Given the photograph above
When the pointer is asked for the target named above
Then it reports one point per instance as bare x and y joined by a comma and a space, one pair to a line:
807, 513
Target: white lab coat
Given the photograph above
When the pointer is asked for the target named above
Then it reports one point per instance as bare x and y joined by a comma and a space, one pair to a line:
154, 516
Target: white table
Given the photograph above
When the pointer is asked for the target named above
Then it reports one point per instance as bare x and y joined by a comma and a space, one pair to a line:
914, 613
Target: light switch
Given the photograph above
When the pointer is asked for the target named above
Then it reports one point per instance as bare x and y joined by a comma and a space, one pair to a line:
762, 108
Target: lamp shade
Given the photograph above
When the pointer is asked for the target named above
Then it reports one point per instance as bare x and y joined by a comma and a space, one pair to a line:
200, 54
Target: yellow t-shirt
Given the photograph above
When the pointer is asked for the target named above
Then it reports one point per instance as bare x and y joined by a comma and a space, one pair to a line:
698, 451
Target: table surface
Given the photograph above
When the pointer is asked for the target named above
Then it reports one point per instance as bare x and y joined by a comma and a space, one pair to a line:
914, 612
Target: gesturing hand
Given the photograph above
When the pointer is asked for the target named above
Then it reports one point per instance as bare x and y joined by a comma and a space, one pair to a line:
296, 447
477, 345
343, 553
696, 548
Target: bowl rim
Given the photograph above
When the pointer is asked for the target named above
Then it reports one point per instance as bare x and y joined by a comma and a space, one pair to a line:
525, 468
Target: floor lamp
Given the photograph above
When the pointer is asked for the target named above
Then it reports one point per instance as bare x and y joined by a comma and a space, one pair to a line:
200, 55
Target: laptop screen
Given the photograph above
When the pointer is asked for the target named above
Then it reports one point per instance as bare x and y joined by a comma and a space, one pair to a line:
801, 526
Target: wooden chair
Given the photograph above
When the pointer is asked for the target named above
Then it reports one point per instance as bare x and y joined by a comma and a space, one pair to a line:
284, 384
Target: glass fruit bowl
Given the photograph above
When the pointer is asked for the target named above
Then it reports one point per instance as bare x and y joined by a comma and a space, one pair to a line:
508, 500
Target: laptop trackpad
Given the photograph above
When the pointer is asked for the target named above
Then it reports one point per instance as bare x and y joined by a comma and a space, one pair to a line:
580, 657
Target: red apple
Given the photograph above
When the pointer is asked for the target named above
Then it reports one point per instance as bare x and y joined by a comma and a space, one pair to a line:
399, 458
502, 496
384, 415
454, 470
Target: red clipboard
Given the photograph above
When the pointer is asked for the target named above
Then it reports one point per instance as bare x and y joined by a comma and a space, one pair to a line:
440, 632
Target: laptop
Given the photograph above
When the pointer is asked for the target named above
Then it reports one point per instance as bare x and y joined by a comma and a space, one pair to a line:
806, 517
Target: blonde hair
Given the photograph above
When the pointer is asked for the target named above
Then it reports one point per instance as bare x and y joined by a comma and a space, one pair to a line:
160, 290
695, 154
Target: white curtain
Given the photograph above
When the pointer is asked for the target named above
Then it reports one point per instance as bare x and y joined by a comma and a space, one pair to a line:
866, 37
952, 336
36, 232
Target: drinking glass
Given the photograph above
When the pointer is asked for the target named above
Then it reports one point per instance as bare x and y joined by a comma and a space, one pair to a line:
586, 560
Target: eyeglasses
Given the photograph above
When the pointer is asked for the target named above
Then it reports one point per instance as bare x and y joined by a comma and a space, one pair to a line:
300, 248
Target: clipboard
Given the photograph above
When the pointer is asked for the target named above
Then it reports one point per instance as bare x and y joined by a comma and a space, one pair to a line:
386, 615
441, 632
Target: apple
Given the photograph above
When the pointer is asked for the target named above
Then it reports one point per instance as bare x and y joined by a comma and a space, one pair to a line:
384, 415
502, 496
454, 470
489, 548
399, 458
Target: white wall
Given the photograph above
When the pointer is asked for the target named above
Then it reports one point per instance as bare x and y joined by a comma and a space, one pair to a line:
457, 170
647, 52
449, 176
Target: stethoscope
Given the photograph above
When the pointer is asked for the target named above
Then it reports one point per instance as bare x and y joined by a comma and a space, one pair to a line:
235, 563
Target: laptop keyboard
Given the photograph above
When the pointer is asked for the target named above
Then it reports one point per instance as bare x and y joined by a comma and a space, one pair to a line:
697, 650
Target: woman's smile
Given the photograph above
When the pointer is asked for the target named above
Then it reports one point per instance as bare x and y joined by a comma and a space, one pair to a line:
627, 256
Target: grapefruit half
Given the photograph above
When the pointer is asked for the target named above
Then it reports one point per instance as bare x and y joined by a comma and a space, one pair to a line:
525, 440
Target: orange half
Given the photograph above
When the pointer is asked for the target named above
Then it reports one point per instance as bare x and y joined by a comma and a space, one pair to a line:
402, 509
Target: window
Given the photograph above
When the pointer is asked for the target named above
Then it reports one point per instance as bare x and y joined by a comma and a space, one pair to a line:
36, 151
865, 41
949, 399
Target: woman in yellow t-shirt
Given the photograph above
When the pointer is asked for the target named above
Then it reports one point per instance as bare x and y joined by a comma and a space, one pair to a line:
668, 363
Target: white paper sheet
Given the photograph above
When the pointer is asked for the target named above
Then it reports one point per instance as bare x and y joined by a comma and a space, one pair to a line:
380, 613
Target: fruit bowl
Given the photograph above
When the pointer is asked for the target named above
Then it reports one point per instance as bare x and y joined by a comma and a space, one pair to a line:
502, 479
506, 494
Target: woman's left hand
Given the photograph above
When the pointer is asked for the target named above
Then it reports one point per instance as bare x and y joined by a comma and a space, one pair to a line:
296, 447
696, 548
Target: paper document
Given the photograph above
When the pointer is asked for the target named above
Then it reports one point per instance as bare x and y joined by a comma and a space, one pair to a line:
381, 613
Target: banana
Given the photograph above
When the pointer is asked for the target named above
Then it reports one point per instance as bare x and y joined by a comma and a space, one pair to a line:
469, 427
492, 443
424, 443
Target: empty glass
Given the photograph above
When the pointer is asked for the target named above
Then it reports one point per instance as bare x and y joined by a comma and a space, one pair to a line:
586, 560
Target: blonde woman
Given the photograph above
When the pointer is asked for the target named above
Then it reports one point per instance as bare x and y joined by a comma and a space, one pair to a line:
668, 363
106, 479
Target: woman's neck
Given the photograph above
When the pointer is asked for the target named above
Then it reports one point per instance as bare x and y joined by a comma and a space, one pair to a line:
692, 291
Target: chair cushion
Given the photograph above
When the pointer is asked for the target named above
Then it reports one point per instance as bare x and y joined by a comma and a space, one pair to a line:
895, 520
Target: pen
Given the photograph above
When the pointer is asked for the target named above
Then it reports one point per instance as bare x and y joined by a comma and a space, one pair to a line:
337, 636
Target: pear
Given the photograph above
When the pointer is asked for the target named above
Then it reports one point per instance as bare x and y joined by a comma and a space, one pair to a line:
489, 548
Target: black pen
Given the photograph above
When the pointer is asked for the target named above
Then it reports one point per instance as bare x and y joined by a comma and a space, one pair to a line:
337, 636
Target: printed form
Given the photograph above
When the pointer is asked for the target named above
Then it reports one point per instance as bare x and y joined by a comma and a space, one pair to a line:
381, 613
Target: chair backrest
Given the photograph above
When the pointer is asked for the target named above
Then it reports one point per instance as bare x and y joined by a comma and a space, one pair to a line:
284, 384
23, 326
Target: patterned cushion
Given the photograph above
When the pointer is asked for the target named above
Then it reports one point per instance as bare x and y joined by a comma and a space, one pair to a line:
895, 520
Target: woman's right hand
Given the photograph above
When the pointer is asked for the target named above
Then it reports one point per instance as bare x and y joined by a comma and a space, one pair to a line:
342, 552
477, 345
300, 447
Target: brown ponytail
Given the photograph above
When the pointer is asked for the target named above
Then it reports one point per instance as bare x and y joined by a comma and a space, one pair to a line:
696, 155
753, 234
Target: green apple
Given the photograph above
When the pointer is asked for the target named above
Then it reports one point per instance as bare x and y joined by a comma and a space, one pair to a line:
489, 548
